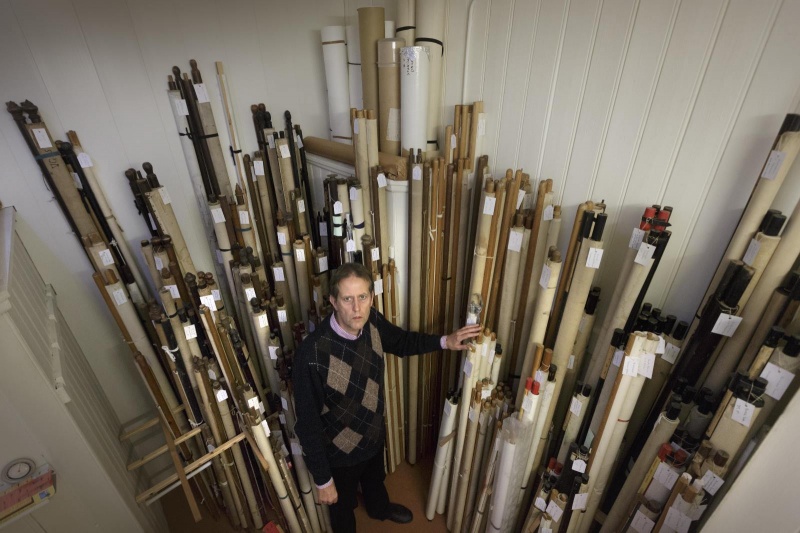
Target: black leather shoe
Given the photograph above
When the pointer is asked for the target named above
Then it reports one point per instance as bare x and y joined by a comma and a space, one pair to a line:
399, 513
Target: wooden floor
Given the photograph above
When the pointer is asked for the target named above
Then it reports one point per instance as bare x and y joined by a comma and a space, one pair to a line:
407, 485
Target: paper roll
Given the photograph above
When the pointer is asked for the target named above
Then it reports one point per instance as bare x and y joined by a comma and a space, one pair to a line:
397, 200
389, 95
406, 20
414, 88
370, 30
354, 67
334, 55
430, 32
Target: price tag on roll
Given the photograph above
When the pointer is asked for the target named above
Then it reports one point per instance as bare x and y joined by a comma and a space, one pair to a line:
106, 257
594, 258
85, 162
726, 324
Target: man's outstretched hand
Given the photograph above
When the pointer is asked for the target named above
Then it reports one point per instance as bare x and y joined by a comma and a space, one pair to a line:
328, 495
454, 339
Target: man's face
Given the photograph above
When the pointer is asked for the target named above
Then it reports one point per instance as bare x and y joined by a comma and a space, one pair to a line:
352, 305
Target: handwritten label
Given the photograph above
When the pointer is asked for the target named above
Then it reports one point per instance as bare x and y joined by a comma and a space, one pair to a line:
527, 402
216, 294
482, 126
544, 279
473, 414
323, 229
222, 395
448, 408
201, 92
300, 254
636, 238
487, 393
277, 273
42, 139
515, 241
630, 367
467, 367
84, 160
554, 510
617, 359
416, 174
488, 205
217, 215
743, 412
209, 302
571, 362
575, 407
190, 331
181, 108
677, 520
301, 205
645, 254
282, 316
712, 482
375, 253
670, 353
772, 166
106, 257
273, 353
752, 252
662, 345
521, 198
579, 501
646, 363
119, 296
337, 207
726, 324
579, 465
350, 246
263, 321
382, 180
258, 168
249, 293
778, 380
253, 402
284, 149
540, 503
271, 141
666, 475
173, 290
453, 141
548, 213
323, 264
281, 238
378, 287
642, 523
594, 257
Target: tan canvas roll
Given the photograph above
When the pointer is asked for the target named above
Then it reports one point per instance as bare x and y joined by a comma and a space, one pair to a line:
389, 95
370, 30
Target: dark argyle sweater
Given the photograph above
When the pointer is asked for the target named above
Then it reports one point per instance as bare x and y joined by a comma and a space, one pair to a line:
338, 391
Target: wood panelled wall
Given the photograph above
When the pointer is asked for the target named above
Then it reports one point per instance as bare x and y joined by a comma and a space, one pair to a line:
632, 101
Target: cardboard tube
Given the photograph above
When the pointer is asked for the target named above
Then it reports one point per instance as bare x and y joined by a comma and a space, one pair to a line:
430, 32
370, 30
414, 89
334, 56
389, 95
354, 67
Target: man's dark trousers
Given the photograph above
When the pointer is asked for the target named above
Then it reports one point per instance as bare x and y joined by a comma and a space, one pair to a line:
371, 474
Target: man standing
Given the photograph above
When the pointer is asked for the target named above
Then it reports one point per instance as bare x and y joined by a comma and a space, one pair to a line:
339, 399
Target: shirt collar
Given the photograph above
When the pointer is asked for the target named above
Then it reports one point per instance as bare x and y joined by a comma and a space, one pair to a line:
340, 331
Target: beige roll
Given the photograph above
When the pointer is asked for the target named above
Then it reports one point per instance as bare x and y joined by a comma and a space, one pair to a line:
370, 30
572, 423
343, 196
268, 361
357, 211
181, 331
414, 299
304, 292
212, 141
464, 470
286, 175
362, 167
260, 431
268, 215
285, 325
293, 303
477, 461
224, 254
101, 257
625, 500
238, 458
729, 434
304, 484
389, 95
272, 157
510, 275
464, 403
383, 215
430, 32
406, 20
772, 313
161, 205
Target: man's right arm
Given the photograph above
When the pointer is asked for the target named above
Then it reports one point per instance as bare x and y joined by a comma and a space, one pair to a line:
308, 400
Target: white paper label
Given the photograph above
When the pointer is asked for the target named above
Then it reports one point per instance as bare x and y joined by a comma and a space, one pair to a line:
159, 263
617, 359
520, 198
271, 141
258, 168
527, 402
579, 465
201, 92
548, 213
323, 229
712, 482
482, 126
263, 321
677, 520
42, 139
106, 257
743, 412
77, 180
416, 174
515, 241
249, 293
350, 246
636, 238
84, 160
540, 376
298, 140
273, 353
488, 206
487, 393
220, 259
296, 448
218, 215
119, 296
215, 293
253, 402
544, 279
284, 149
209, 302
594, 257
282, 316
378, 287
579, 501
393, 125
281, 238
448, 408
662, 345
323, 264
666, 475
778, 380
670, 353
190, 331
453, 141
570, 362
265, 427
726, 324
300, 254
337, 207
575, 407
752, 252
244, 218
646, 362
173, 291
355, 127
375, 253
301, 205
641, 523
540, 503
473, 414
645, 253
467, 367
277, 273
212, 375
352, 194
222, 395
181, 107
381, 180
630, 367
554, 511
772, 166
